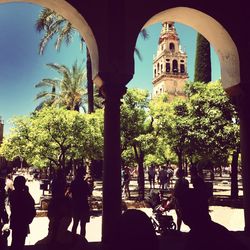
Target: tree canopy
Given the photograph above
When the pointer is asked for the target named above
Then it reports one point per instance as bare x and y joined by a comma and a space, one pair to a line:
55, 136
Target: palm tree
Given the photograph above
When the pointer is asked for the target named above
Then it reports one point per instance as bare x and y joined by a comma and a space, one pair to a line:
57, 26
68, 91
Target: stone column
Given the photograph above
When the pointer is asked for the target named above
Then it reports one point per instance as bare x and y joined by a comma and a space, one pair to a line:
245, 157
242, 103
112, 164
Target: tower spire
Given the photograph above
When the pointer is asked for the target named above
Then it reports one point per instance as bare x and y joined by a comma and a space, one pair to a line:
170, 63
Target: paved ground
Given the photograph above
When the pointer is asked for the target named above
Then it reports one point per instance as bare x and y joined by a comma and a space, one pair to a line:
231, 218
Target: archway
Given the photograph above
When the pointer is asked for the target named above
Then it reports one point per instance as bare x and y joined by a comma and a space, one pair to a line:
70, 13
214, 32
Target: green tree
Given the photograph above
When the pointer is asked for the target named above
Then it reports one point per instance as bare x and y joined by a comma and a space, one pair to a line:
171, 121
202, 60
55, 136
136, 130
214, 130
68, 91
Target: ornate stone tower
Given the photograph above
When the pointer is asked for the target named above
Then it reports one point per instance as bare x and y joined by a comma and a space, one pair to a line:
169, 64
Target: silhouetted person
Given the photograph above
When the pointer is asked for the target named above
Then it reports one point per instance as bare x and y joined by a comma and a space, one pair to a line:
3, 216
60, 216
59, 208
198, 182
163, 178
80, 191
181, 185
2, 202
204, 234
151, 176
58, 184
9, 186
135, 232
126, 178
22, 212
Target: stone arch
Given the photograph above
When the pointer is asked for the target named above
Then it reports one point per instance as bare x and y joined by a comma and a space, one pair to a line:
214, 32
63, 8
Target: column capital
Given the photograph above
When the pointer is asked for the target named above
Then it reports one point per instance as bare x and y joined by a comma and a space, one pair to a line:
237, 96
112, 91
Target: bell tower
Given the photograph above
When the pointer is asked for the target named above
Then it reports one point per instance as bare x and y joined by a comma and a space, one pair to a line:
169, 64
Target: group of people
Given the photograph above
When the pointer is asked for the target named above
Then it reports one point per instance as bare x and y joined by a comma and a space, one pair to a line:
69, 201
191, 203
137, 232
181, 185
161, 174
22, 212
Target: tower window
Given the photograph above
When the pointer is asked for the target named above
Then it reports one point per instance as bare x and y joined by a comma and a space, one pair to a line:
182, 61
167, 67
182, 68
171, 47
175, 66
155, 72
167, 60
161, 67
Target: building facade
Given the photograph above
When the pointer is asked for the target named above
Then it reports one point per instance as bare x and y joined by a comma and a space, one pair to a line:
169, 64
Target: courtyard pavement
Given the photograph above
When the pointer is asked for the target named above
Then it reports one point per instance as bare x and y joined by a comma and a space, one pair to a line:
231, 218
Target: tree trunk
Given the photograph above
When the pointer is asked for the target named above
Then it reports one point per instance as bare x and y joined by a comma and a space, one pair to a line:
234, 175
179, 155
90, 87
141, 178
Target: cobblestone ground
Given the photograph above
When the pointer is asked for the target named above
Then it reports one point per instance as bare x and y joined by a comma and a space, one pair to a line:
231, 218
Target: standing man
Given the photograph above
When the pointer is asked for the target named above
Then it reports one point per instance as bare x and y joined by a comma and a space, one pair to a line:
9, 186
151, 176
80, 191
126, 176
163, 178
22, 213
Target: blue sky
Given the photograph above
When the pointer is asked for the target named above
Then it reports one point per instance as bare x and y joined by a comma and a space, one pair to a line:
21, 67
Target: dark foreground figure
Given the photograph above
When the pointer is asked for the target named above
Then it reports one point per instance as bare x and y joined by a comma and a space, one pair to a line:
136, 232
22, 213
204, 234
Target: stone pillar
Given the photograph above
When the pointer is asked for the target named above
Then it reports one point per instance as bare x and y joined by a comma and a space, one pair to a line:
245, 157
112, 164
242, 103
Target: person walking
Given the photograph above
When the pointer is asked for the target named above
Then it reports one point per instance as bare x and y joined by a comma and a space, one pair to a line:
181, 185
79, 191
163, 178
22, 213
126, 177
151, 176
